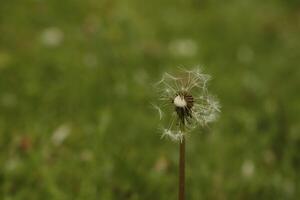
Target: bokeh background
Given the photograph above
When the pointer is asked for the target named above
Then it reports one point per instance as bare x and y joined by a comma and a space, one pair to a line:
76, 78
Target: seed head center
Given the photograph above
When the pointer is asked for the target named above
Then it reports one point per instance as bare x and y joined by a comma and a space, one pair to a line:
179, 101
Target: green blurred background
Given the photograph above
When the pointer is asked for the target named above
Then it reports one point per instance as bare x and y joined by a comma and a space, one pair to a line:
76, 78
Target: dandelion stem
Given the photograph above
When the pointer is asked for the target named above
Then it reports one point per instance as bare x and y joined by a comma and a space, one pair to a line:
181, 189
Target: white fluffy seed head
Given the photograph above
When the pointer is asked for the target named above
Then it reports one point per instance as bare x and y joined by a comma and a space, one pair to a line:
198, 109
179, 101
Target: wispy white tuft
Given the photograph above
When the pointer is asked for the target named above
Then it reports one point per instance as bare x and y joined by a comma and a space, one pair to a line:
158, 110
173, 135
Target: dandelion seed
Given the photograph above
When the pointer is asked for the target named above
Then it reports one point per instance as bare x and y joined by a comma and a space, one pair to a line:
158, 110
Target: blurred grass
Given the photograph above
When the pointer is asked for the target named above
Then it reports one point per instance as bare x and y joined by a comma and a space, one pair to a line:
75, 93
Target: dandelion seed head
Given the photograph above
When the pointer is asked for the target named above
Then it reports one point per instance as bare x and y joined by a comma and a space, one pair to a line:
186, 100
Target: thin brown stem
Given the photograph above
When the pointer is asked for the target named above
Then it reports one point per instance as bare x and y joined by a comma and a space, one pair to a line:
181, 189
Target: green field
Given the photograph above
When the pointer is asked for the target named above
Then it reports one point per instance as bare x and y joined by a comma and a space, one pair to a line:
76, 78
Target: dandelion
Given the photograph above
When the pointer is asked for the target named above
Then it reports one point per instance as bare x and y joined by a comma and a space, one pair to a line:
186, 101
